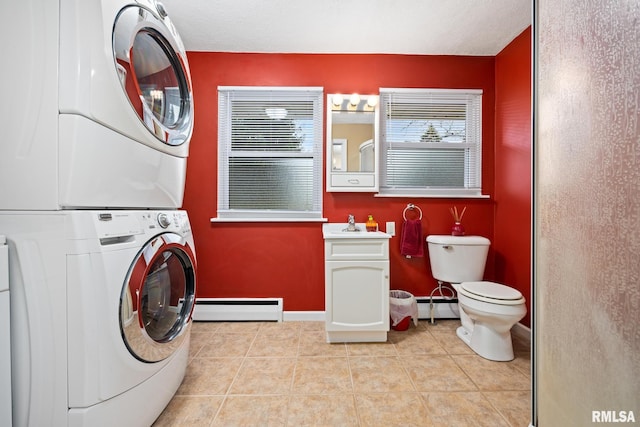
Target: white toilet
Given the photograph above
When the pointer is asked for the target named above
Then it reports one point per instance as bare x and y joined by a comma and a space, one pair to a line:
487, 310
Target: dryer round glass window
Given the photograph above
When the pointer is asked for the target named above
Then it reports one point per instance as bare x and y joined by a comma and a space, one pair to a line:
154, 74
158, 298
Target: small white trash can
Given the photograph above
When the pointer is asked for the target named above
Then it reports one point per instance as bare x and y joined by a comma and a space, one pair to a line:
402, 308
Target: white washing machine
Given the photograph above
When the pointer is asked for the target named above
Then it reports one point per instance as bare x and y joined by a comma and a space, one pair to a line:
101, 305
99, 101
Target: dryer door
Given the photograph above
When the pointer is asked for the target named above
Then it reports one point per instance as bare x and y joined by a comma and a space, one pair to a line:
158, 298
153, 70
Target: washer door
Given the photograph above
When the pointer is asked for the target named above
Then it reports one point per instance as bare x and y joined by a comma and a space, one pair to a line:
153, 70
158, 298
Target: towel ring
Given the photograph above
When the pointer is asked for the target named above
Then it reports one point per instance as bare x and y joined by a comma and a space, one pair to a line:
411, 206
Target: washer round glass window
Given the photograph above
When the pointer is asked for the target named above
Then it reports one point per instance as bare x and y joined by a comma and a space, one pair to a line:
157, 299
154, 74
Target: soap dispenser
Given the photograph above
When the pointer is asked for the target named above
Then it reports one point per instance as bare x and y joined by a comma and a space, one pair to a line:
372, 224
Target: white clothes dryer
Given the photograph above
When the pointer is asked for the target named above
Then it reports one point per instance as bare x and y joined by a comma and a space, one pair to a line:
99, 101
101, 305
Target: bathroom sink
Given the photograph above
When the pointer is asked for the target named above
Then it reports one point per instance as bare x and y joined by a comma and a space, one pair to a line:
339, 230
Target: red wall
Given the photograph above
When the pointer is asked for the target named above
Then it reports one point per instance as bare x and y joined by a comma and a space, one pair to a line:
512, 238
286, 259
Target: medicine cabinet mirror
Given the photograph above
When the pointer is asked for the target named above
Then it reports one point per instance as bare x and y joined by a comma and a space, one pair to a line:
352, 142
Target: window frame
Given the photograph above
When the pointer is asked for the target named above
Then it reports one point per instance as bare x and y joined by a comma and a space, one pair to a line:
473, 162
269, 93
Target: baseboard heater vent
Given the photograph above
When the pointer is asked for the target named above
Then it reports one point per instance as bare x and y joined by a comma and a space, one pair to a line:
238, 309
443, 308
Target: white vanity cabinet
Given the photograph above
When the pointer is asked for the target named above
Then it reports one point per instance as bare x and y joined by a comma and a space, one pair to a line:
356, 285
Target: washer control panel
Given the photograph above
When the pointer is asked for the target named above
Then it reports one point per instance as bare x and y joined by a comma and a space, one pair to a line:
129, 223
176, 221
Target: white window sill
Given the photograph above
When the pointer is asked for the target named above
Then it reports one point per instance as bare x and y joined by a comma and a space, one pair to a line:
435, 196
220, 220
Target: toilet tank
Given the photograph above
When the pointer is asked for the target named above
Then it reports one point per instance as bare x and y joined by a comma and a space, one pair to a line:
457, 259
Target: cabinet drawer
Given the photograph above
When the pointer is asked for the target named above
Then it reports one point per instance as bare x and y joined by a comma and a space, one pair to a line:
352, 179
356, 249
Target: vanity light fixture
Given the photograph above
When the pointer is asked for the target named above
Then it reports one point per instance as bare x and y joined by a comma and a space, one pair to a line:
354, 102
156, 94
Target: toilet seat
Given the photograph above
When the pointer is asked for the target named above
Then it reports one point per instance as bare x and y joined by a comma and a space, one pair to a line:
491, 292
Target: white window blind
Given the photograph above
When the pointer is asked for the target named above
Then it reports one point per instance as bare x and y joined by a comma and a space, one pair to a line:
270, 152
431, 141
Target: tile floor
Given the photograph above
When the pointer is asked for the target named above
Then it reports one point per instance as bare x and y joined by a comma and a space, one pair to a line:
285, 374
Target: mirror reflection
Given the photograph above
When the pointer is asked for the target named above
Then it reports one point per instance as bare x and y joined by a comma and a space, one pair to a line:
352, 132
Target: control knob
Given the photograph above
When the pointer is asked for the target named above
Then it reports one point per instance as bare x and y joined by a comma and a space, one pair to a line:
164, 220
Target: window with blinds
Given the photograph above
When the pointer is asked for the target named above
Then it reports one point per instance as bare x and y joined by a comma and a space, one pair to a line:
270, 152
431, 142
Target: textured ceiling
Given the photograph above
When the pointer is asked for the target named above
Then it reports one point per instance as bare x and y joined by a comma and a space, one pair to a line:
423, 27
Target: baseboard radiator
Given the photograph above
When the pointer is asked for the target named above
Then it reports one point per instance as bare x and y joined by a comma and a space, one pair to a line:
443, 308
238, 309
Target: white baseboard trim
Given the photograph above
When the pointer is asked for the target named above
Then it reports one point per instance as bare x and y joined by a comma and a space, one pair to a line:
303, 316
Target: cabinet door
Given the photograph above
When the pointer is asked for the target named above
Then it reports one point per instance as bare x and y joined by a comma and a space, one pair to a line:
357, 295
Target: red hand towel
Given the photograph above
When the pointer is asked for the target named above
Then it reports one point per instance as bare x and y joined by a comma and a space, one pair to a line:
411, 239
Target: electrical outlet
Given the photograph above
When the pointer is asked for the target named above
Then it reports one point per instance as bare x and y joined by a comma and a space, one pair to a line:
391, 228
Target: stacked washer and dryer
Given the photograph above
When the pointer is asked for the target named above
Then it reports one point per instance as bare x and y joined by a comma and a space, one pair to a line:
92, 172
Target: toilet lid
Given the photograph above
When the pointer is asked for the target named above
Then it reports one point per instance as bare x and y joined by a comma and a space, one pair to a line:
492, 291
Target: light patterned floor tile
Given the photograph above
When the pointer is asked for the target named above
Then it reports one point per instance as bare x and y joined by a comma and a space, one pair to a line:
205, 326
288, 329
264, 376
209, 376
286, 374
314, 343
416, 342
322, 375
197, 341
239, 327
379, 374
277, 345
522, 362
322, 410
401, 410
451, 344
437, 373
441, 325
190, 411
253, 411
312, 326
462, 409
227, 345
371, 349
515, 406
492, 376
